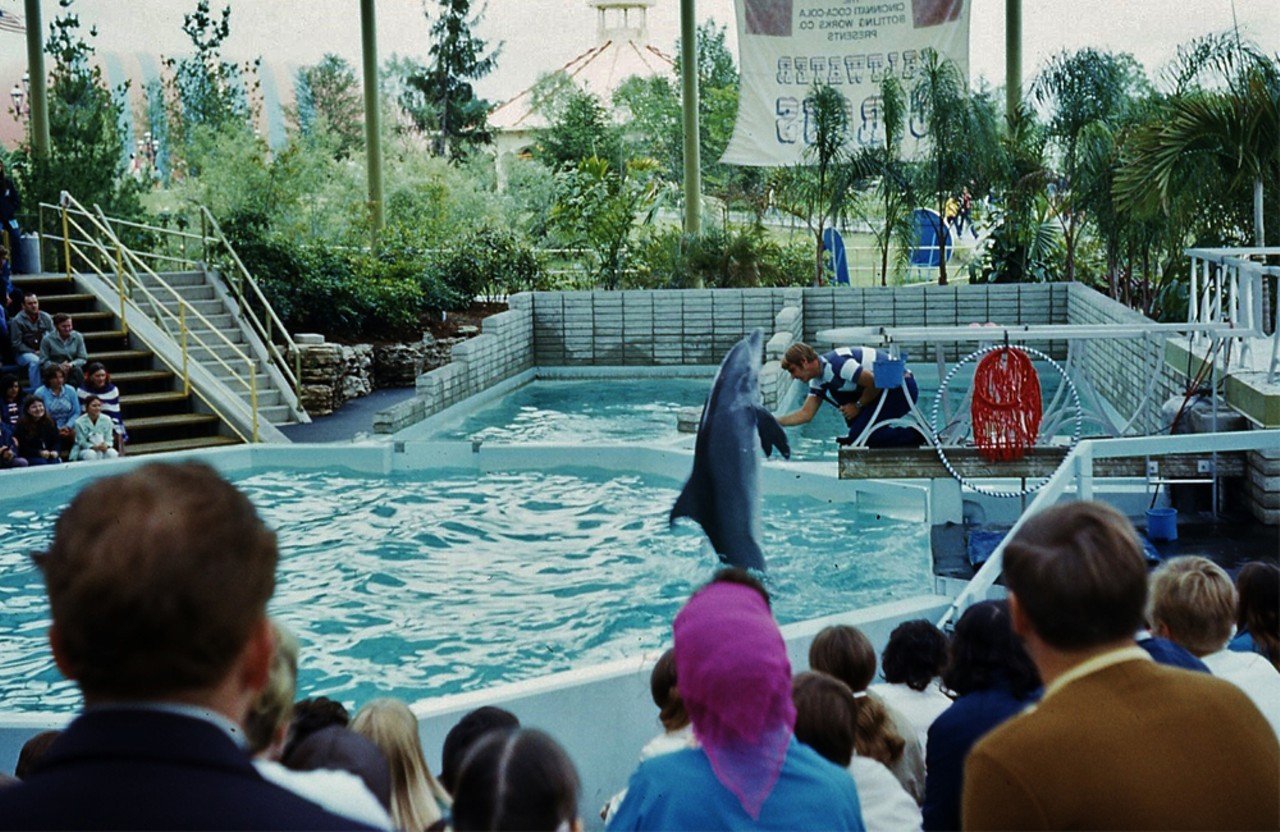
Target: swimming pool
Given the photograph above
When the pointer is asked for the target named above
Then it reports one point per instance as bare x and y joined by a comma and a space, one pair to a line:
423, 583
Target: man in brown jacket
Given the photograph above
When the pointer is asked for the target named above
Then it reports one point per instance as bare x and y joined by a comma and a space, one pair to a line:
1117, 742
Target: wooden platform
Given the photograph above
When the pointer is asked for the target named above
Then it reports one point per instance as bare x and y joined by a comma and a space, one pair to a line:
923, 463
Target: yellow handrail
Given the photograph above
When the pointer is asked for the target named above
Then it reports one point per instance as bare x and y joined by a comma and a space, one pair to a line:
163, 316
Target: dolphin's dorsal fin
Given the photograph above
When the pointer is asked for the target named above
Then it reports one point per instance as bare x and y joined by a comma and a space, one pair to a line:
771, 433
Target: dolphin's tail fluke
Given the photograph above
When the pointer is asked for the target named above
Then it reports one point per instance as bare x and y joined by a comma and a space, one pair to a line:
771, 433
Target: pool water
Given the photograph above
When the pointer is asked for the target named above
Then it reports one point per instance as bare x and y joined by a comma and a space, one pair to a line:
447, 581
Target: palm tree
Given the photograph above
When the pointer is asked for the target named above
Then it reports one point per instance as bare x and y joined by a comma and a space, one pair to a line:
881, 167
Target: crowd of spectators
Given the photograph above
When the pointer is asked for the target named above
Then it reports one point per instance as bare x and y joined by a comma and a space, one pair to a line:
65, 391
1040, 711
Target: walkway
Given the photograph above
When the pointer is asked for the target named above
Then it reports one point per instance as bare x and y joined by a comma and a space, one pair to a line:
354, 417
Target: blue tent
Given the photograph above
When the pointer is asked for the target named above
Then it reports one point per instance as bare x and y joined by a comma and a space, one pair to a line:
925, 251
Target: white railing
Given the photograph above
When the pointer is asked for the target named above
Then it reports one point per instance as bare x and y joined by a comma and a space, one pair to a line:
1077, 470
1233, 286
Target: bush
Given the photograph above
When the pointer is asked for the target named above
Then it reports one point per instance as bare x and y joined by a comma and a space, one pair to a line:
489, 263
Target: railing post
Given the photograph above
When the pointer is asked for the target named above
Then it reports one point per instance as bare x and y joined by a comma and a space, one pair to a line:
253, 397
186, 370
1084, 473
1193, 301
66, 241
124, 321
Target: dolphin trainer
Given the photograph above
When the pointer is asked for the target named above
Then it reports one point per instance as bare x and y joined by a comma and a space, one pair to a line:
723, 491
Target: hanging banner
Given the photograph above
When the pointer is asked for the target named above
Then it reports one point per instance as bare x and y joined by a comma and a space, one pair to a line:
785, 47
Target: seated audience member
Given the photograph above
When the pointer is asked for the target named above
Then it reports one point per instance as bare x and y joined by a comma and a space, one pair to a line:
1166, 652
10, 399
158, 583
37, 437
10, 456
888, 736
64, 348
517, 780
748, 770
417, 800
95, 433
826, 721
26, 330
1258, 613
469, 730
97, 382
33, 753
60, 402
1117, 740
265, 727
1193, 603
676, 734
338, 748
993, 680
911, 663
310, 716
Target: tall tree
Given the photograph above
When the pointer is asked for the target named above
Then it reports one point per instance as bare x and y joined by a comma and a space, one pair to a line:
580, 128
889, 175
940, 99
86, 156
327, 94
458, 119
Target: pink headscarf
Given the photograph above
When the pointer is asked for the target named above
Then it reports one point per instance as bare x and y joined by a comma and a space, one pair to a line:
734, 677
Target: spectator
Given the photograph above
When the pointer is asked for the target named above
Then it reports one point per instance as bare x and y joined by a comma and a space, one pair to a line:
97, 382
338, 748
1117, 741
1258, 613
10, 231
469, 730
95, 433
26, 330
310, 716
10, 456
887, 735
265, 726
158, 582
10, 399
1193, 603
994, 680
10, 296
37, 437
60, 402
747, 770
64, 348
911, 663
417, 800
519, 779
826, 721
1166, 652
33, 753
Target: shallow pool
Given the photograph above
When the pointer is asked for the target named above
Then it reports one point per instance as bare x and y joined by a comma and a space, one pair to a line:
447, 581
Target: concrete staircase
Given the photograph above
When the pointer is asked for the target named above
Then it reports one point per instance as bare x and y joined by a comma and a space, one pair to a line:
277, 404
158, 416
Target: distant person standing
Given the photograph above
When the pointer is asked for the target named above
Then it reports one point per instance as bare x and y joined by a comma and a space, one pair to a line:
10, 231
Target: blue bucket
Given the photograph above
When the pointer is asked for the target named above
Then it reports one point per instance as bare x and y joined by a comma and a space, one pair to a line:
889, 372
1162, 523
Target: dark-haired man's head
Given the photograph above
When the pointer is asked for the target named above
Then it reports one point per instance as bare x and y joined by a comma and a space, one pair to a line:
519, 779
33, 751
158, 582
338, 747
1077, 580
312, 715
738, 575
915, 655
462, 737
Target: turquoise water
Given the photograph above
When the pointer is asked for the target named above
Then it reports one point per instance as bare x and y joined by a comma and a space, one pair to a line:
445, 581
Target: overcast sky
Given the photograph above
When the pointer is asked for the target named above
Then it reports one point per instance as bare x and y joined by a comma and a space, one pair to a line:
540, 35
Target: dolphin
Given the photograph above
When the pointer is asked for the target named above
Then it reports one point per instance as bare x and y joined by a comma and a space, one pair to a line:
723, 492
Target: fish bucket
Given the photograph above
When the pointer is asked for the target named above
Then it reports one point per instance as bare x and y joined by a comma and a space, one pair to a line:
889, 372
1162, 524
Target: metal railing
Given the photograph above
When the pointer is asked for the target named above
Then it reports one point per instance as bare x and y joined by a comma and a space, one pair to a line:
1233, 286
1077, 470
88, 236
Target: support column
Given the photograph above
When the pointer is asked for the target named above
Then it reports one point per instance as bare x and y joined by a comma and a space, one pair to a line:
372, 128
1012, 56
35, 66
692, 150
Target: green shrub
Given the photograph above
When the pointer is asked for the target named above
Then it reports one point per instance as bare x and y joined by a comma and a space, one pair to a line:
489, 263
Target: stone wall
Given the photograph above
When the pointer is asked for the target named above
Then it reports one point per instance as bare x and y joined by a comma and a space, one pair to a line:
333, 374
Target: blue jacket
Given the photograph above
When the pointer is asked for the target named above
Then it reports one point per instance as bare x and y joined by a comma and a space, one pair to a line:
125, 769
1174, 655
951, 736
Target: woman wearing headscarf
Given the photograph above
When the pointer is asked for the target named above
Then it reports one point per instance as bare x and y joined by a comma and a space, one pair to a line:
748, 771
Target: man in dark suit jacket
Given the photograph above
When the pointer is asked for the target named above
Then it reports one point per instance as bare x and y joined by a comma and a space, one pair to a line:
1117, 741
158, 582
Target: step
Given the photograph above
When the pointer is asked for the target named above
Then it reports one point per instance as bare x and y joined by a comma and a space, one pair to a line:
199, 291
71, 302
167, 397
207, 335
275, 414
129, 380
233, 354
192, 443
172, 420
102, 335
204, 307
175, 279
41, 283
114, 357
